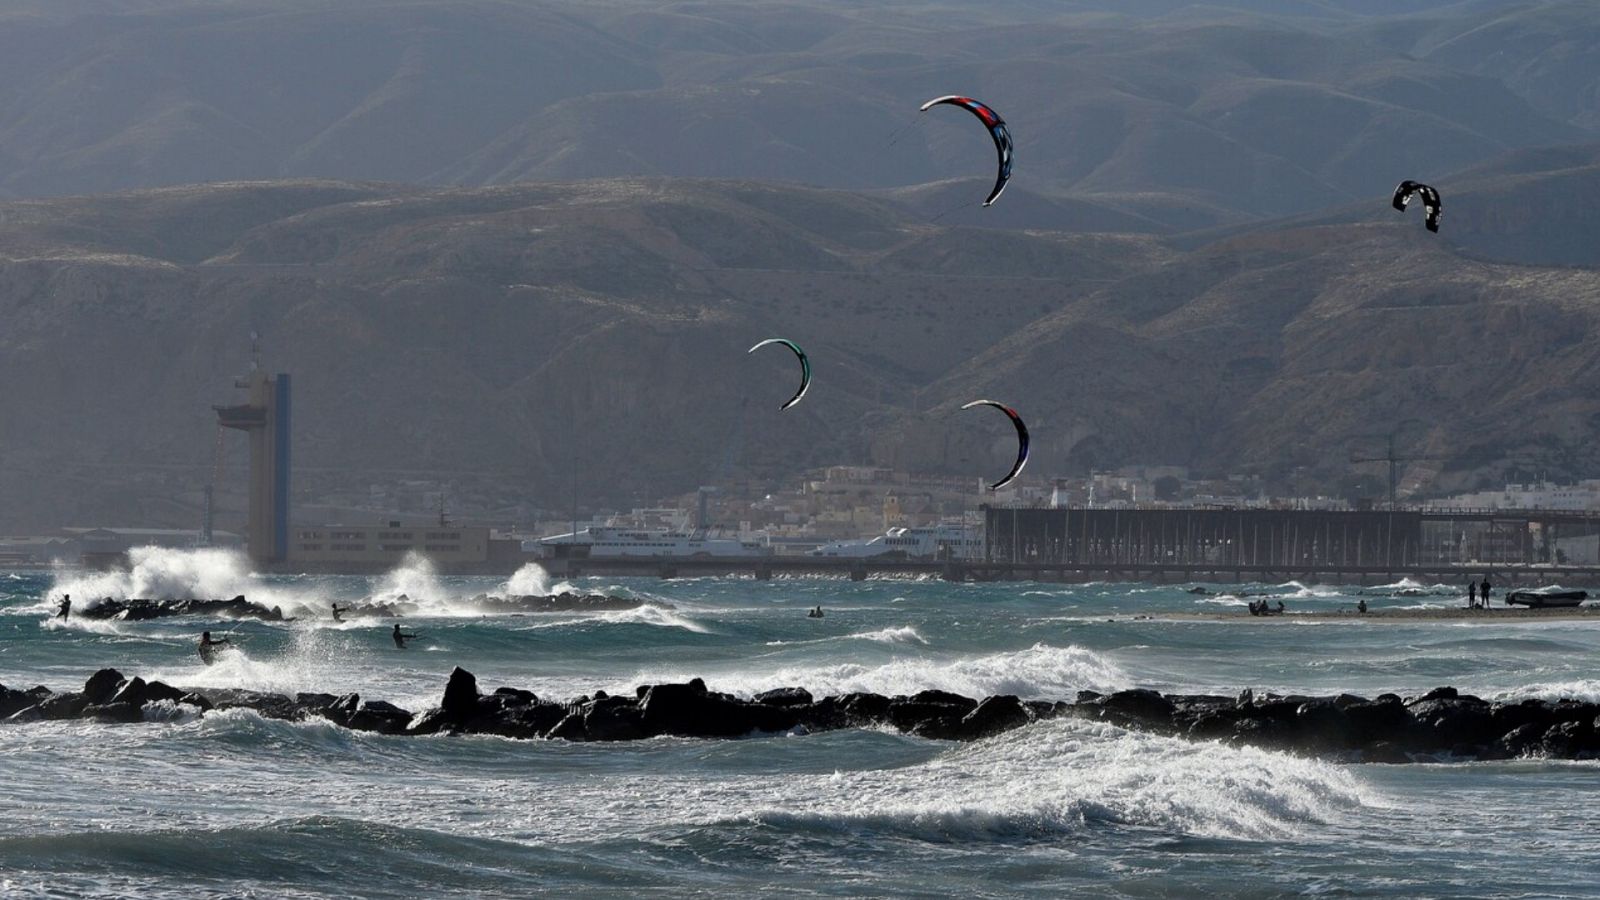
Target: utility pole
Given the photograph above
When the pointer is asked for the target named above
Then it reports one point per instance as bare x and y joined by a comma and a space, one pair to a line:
1393, 460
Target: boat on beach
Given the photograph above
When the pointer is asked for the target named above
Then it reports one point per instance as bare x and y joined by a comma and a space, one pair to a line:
1541, 599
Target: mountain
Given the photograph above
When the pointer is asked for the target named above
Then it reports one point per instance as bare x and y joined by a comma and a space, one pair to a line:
509, 339
1139, 116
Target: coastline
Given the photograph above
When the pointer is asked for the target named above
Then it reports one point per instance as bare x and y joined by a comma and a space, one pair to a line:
1411, 614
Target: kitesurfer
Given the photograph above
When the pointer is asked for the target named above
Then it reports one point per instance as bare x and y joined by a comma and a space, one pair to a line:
208, 651
338, 613
400, 637
64, 608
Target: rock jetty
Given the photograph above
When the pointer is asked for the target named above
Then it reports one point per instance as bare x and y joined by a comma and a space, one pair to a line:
1439, 725
139, 609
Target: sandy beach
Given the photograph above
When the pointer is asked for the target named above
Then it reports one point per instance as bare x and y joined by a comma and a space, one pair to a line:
1498, 614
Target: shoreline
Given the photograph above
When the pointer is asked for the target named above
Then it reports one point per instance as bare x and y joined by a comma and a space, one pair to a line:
1425, 614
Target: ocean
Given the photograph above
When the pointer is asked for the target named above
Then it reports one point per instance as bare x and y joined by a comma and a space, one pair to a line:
231, 804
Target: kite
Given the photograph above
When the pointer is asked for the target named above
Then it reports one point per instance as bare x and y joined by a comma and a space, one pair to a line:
1430, 201
1022, 440
997, 130
805, 367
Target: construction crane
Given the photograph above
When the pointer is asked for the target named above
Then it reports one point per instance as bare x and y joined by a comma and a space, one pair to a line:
1393, 460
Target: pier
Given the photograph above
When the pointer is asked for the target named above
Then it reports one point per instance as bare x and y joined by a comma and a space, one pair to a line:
1215, 545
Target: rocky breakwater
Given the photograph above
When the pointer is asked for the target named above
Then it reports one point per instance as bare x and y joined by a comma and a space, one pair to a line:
685, 710
1441, 724
1438, 725
134, 609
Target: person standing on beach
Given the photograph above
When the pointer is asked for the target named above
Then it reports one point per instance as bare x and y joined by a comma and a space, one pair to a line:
1483, 592
1472, 595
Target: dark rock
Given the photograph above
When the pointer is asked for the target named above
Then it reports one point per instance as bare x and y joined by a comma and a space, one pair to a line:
122, 712
614, 719
1272, 732
102, 685
1385, 752
315, 702
1088, 696
430, 721
522, 696
1376, 721
933, 720
460, 695
532, 720
1139, 708
993, 716
1448, 721
132, 690
271, 706
861, 708
14, 701
62, 706
159, 691
1321, 726
690, 711
1566, 740
1438, 693
787, 696
1042, 709
1508, 717
1572, 711
570, 728
946, 698
1215, 724
1520, 741
26, 715
379, 716
197, 700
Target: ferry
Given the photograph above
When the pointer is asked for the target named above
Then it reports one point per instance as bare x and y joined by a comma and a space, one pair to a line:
607, 541
937, 542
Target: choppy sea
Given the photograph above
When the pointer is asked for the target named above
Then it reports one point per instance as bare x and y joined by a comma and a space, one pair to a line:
235, 805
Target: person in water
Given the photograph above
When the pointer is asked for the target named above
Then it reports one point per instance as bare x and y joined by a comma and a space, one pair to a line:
338, 614
815, 613
64, 608
1281, 608
400, 637
208, 651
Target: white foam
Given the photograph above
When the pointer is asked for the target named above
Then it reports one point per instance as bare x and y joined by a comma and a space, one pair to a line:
902, 635
158, 572
1067, 776
1041, 671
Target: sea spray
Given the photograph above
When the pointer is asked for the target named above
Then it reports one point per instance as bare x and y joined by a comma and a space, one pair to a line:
530, 580
1041, 671
1066, 776
163, 572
